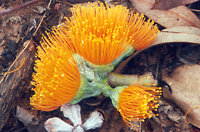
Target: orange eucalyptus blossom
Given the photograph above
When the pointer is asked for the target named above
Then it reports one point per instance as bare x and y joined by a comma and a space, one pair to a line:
137, 102
57, 78
101, 33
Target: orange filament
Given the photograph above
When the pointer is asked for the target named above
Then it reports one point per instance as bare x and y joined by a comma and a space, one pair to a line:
57, 78
137, 102
143, 32
101, 34
16, 68
60, 38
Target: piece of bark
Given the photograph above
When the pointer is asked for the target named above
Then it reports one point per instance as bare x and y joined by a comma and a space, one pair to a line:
14, 83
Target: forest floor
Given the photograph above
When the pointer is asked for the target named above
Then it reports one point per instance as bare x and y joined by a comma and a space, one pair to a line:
26, 26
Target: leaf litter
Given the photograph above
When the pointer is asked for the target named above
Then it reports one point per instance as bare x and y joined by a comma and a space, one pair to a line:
179, 16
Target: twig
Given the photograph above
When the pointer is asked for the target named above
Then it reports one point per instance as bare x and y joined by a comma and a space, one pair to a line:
17, 7
195, 10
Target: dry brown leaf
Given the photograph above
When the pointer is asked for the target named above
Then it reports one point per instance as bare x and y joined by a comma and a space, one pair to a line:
169, 4
185, 85
181, 34
178, 34
179, 16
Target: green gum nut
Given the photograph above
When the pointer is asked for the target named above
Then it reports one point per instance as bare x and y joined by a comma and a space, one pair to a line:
100, 71
83, 68
87, 90
114, 95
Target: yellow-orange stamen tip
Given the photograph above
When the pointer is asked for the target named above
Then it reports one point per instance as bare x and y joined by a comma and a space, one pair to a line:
137, 102
57, 78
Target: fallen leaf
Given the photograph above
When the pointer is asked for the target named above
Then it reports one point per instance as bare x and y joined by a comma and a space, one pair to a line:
179, 16
182, 34
185, 85
169, 4
178, 35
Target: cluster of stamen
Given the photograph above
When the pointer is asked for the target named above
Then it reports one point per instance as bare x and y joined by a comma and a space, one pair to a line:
57, 78
101, 33
138, 102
